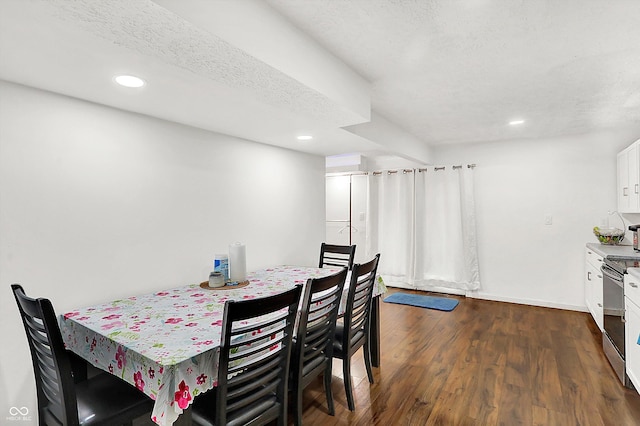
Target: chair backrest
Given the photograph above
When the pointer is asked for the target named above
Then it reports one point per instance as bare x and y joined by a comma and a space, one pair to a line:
56, 395
316, 326
254, 358
358, 307
336, 255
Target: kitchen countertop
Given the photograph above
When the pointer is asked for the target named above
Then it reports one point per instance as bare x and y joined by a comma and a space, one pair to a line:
634, 272
614, 251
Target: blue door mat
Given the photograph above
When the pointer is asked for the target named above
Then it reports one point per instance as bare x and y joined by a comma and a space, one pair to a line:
430, 302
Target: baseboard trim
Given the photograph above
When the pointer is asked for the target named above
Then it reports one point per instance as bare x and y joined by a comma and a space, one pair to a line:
541, 303
443, 290
495, 298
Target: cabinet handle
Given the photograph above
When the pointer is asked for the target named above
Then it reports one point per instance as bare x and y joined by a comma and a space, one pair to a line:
634, 285
599, 305
636, 188
589, 275
625, 191
600, 276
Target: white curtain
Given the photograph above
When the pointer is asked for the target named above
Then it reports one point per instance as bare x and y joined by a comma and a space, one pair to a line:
390, 225
423, 224
446, 250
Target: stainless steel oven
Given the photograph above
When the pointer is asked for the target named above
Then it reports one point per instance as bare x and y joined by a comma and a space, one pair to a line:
613, 271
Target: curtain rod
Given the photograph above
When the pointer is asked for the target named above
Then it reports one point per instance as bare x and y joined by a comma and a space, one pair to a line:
404, 171
346, 173
392, 172
437, 169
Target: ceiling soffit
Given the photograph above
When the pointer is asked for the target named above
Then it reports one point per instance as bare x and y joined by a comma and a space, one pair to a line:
152, 31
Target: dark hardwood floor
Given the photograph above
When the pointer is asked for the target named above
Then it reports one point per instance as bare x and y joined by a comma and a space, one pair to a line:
485, 363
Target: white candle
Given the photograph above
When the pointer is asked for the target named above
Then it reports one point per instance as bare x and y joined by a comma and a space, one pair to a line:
237, 262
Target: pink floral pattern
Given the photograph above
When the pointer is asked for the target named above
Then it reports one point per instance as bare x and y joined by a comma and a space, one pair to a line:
137, 379
201, 379
120, 357
166, 343
183, 396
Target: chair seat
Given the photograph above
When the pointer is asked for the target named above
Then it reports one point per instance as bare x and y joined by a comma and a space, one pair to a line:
313, 347
353, 332
108, 400
201, 412
103, 400
315, 363
338, 351
253, 367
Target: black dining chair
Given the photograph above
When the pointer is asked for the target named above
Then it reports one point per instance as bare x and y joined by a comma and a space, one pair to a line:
353, 332
313, 344
103, 400
337, 255
253, 370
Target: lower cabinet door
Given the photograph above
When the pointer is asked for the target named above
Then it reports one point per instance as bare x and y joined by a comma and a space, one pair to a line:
632, 335
593, 294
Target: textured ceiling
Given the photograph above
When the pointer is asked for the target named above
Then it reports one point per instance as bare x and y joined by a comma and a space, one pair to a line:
370, 76
193, 75
459, 70
150, 30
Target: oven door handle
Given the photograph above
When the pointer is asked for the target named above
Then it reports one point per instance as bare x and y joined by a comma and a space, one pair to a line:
615, 277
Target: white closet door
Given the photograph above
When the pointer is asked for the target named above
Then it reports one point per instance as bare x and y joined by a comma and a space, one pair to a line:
337, 234
359, 217
338, 199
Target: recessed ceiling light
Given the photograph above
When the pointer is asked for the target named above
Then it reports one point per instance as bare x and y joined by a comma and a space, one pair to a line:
516, 122
129, 81
305, 137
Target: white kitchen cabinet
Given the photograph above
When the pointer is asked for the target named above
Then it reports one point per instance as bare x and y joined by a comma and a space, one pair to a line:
628, 187
632, 328
593, 286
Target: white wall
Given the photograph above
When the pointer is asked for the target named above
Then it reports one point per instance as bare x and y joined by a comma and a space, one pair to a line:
97, 204
518, 183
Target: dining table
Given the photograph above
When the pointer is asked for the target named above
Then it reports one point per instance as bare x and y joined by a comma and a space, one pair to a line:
167, 343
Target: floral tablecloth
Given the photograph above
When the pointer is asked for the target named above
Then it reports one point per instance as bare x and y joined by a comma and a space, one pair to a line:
167, 343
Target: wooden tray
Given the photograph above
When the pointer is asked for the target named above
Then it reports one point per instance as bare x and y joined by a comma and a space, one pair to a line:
205, 285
